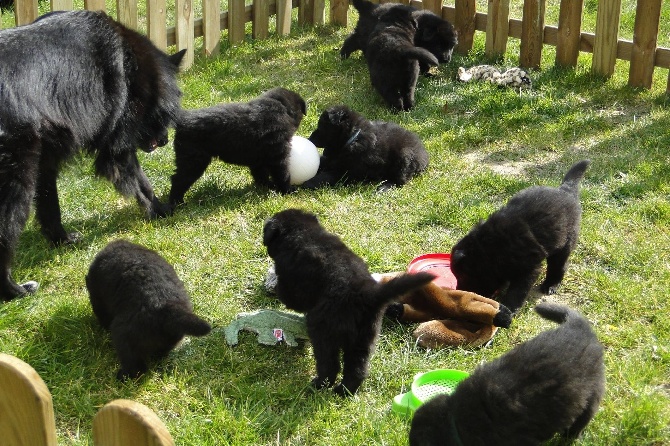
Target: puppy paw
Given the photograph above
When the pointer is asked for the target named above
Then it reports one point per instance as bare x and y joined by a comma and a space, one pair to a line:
71, 238
342, 391
31, 286
395, 311
321, 383
548, 289
159, 209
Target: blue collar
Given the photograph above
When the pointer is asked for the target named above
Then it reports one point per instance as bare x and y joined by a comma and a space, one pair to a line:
353, 137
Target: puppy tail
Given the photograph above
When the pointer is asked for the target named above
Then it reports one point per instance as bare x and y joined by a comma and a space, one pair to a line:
422, 55
560, 313
190, 324
574, 177
400, 285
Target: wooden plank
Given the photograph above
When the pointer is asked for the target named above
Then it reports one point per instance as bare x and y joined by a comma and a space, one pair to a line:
25, 404
464, 23
184, 27
667, 90
25, 11
607, 31
497, 28
433, 5
338, 12
532, 33
569, 32
157, 23
125, 422
126, 11
284, 17
260, 22
236, 22
647, 20
211, 27
95, 5
319, 12
62, 5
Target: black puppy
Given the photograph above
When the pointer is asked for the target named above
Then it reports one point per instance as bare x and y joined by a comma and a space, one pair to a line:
137, 296
433, 33
392, 58
357, 150
256, 134
507, 250
319, 276
552, 384
87, 82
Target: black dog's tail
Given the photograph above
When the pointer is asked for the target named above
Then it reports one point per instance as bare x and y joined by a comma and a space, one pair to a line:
422, 55
190, 324
400, 285
560, 314
363, 5
574, 177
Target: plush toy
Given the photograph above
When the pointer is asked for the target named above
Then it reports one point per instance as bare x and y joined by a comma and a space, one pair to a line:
513, 77
448, 317
271, 326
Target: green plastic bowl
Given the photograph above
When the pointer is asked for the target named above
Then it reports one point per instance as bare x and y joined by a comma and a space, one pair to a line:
424, 387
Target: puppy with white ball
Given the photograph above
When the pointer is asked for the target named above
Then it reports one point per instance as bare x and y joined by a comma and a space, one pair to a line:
303, 161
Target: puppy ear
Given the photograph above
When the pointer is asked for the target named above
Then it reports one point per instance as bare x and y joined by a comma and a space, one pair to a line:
303, 106
176, 58
270, 231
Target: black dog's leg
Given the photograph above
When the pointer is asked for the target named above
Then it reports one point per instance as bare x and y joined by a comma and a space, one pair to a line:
518, 290
327, 363
281, 177
582, 420
355, 369
47, 210
261, 176
351, 44
188, 170
18, 173
132, 364
556, 266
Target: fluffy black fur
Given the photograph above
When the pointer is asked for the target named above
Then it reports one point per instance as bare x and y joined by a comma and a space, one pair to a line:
319, 276
552, 384
256, 134
392, 58
358, 150
85, 82
137, 296
501, 257
433, 33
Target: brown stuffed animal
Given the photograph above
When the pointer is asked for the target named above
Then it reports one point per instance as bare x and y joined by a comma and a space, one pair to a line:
449, 317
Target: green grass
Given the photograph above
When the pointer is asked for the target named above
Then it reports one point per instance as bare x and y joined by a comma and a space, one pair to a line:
485, 145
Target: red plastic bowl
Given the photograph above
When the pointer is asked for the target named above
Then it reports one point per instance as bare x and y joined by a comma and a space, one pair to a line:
437, 264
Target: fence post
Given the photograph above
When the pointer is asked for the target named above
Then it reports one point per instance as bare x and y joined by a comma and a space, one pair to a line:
95, 5
62, 5
338, 12
465, 24
25, 404
236, 21
156, 23
647, 20
25, 11
125, 422
607, 33
211, 27
184, 31
434, 6
569, 32
261, 16
532, 33
284, 8
126, 12
497, 28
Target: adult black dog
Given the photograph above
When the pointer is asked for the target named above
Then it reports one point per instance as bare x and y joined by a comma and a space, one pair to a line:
256, 134
392, 58
552, 384
138, 297
502, 256
433, 32
317, 274
358, 150
76, 80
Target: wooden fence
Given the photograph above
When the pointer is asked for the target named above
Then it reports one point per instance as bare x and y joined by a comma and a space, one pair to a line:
642, 52
27, 415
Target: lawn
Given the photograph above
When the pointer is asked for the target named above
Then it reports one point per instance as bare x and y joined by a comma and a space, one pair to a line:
485, 144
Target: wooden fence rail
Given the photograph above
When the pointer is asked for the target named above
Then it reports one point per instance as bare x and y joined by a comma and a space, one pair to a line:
642, 52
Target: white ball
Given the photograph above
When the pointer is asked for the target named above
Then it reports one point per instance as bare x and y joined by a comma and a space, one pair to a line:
303, 161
